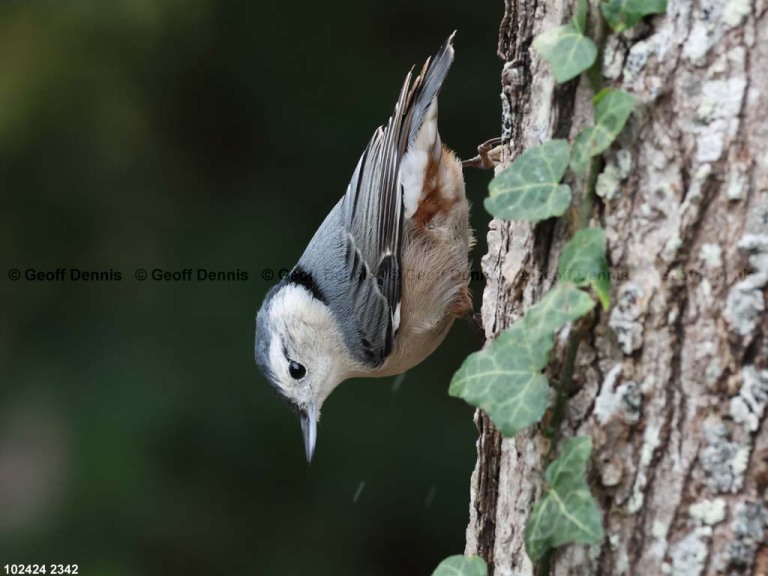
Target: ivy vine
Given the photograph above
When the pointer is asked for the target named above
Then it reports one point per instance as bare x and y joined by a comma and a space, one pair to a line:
506, 379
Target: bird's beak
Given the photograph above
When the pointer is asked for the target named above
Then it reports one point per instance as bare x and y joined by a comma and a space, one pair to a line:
309, 428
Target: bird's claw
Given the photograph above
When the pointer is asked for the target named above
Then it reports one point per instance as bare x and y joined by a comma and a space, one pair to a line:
488, 155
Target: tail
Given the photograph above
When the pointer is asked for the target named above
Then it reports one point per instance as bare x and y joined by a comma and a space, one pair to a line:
396, 159
423, 165
426, 87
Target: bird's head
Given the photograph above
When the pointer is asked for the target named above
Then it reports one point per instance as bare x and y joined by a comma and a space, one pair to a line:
300, 351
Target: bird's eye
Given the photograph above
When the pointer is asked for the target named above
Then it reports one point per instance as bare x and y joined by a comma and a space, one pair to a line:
296, 370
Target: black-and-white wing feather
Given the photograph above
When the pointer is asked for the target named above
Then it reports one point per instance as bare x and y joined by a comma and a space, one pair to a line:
372, 208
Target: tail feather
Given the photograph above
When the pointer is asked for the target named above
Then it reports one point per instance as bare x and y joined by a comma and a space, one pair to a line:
426, 87
420, 166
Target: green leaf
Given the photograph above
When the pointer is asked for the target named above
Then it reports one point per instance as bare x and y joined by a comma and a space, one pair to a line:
567, 513
581, 152
563, 304
583, 262
612, 109
623, 14
504, 379
579, 20
461, 566
505, 382
567, 51
530, 188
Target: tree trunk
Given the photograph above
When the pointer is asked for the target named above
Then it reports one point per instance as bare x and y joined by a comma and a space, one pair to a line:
671, 383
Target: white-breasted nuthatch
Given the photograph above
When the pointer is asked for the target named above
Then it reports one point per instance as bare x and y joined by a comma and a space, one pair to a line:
387, 272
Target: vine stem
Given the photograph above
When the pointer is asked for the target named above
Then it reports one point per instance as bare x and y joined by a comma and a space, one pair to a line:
584, 211
564, 385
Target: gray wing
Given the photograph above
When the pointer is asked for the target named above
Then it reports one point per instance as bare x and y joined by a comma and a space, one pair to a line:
367, 297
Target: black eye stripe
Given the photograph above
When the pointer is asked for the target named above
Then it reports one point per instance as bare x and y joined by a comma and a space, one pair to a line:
296, 370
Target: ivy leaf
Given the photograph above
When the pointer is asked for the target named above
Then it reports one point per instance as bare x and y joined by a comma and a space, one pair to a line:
567, 513
623, 14
612, 109
567, 50
563, 304
530, 188
583, 262
581, 150
579, 20
461, 566
504, 379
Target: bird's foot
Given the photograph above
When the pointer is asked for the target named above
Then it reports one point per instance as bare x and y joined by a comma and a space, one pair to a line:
488, 155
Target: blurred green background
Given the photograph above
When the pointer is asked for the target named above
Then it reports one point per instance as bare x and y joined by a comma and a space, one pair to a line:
136, 434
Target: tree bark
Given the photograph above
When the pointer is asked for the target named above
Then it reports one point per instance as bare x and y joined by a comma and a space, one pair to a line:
671, 383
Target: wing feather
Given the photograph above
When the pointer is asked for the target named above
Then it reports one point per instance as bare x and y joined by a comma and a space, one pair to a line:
371, 214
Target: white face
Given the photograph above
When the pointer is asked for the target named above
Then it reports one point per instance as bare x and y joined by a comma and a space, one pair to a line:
306, 354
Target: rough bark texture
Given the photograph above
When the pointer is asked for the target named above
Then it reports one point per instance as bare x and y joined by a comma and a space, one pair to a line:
672, 381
